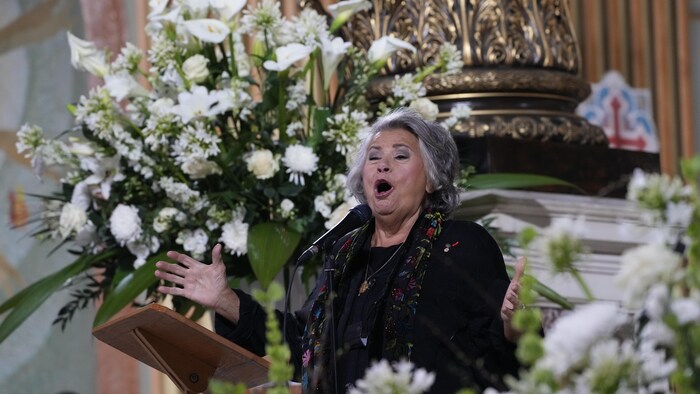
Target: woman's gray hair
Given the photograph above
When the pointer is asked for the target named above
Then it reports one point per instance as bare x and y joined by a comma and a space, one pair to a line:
438, 151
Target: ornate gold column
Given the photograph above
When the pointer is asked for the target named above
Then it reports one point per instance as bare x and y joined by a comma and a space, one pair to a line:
521, 63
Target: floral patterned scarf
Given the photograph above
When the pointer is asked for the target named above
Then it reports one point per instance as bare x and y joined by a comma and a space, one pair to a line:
401, 305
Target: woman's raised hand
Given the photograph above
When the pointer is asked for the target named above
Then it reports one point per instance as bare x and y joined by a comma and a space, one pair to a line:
511, 301
204, 284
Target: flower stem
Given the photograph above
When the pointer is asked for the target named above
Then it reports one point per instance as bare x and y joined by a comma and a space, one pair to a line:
582, 284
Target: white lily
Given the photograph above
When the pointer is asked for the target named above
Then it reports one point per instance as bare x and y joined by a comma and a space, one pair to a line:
351, 6
85, 56
384, 47
122, 85
287, 55
343, 10
207, 30
105, 171
228, 8
157, 7
331, 54
196, 103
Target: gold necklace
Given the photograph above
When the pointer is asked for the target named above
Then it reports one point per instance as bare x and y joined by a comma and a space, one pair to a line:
368, 282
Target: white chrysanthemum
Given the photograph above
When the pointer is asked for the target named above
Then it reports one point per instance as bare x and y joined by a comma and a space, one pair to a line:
299, 160
195, 242
571, 336
125, 224
72, 219
262, 163
644, 266
234, 235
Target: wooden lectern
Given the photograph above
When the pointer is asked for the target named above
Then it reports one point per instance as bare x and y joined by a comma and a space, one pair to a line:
182, 349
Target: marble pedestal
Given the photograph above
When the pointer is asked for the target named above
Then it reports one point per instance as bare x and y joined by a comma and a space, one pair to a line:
612, 226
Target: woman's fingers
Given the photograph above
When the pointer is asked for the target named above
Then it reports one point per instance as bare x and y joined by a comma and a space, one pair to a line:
171, 268
178, 280
216, 255
171, 290
183, 259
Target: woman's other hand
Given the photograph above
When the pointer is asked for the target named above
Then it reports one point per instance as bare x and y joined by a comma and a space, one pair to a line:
511, 302
204, 284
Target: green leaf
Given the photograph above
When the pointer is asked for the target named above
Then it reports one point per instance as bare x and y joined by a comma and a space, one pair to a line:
545, 291
511, 181
320, 116
128, 289
24, 303
270, 245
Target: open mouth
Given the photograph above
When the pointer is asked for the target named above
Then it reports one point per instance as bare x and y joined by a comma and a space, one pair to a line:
382, 187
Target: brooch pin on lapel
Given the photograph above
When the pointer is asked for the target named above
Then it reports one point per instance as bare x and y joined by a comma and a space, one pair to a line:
449, 246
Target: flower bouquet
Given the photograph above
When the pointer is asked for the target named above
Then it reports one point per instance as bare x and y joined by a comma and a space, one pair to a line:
239, 132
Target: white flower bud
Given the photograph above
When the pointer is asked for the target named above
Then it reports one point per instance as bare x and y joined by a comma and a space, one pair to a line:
195, 68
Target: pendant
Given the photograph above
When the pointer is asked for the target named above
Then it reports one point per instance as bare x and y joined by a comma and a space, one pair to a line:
363, 287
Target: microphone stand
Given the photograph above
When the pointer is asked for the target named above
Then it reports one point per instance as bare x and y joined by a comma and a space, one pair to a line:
331, 329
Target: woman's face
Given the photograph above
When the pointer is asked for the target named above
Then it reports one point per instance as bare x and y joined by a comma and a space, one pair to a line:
393, 176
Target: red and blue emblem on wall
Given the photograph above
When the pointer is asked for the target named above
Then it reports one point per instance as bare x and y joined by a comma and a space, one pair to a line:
623, 112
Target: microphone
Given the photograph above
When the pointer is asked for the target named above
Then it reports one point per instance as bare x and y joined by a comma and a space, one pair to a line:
356, 217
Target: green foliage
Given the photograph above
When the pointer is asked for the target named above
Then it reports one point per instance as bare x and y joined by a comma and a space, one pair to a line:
281, 371
270, 245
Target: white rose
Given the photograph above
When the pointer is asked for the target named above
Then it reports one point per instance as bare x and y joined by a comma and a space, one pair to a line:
287, 205
195, 68
426, 108
262, 164
72, 219
125, 224
200, 168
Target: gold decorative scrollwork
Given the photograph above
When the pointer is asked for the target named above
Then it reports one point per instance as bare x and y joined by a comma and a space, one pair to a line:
542, 128
518, 33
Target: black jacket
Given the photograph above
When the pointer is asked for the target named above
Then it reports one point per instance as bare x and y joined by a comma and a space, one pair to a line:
458, 333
